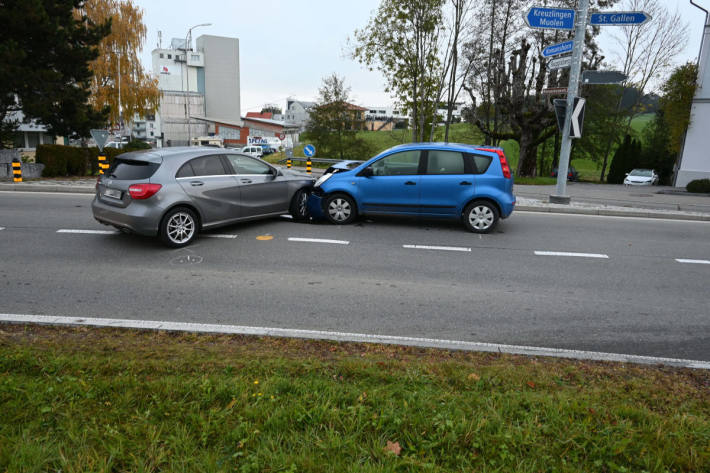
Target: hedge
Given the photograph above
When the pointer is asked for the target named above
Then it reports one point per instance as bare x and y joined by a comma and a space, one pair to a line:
700, 186
63, 161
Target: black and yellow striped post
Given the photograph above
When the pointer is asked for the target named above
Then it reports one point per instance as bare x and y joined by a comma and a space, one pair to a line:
16, 170
103, 164
288, 163
308, 166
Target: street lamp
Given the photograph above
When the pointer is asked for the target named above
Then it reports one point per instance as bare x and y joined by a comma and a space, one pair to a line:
187, 80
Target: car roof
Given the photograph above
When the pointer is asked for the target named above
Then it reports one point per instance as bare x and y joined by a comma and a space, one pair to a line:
158, 154
463, 147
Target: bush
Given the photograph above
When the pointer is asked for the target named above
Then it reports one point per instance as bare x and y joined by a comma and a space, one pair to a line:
64, 161
700, 186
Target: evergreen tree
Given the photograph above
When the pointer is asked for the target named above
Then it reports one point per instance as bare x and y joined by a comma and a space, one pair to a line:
618, 164
45, 51
657, 152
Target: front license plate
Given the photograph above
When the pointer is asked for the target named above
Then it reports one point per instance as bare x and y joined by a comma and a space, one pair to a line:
113, 193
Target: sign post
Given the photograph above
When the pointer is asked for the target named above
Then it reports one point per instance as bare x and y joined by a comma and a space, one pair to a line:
561, 196
619, 18
550, 18
556, 49
100, 137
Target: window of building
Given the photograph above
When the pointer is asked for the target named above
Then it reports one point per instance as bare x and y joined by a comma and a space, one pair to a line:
152, 134
170, 56
161, 55
195, 57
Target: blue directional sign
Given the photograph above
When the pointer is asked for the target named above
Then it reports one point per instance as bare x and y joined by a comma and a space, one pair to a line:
619, 18
550, 18
556, 49
309, 151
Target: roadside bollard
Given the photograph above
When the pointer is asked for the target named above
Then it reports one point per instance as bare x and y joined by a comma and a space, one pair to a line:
102, 164
288, 163
16, 170
308, 166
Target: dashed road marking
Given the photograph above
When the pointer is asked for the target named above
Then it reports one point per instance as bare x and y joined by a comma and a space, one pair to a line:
88, 232
320, 240
566, 253
693, 261
353, 337
2, 228
441, 248
219, 235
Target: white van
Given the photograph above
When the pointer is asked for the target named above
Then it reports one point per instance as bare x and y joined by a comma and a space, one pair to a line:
253, 151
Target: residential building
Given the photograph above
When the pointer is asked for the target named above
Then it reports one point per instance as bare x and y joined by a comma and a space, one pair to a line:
298, 112
695, 158
384, 118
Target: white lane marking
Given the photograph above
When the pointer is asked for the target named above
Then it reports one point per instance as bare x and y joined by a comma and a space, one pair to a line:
286, 216
693, 261
87, 193
88, 232
2, 228
442, 248
566, 253
219, 235
320, 240
353, 337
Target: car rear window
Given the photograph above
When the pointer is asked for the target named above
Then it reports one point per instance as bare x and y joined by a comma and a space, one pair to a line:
129, 170
478, 163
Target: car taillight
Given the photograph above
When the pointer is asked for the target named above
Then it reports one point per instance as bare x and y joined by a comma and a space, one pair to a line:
143, 191
503, 161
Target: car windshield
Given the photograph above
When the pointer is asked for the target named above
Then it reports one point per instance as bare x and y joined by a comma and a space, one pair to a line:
641, 173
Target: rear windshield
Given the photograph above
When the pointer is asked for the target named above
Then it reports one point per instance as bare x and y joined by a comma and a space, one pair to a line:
128, 170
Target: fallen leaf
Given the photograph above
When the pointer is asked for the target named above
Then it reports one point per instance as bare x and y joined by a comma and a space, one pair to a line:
531, 384
474, 377
231, 404
393, 447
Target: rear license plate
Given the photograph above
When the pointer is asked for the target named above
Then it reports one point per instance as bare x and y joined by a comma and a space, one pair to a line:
113, 193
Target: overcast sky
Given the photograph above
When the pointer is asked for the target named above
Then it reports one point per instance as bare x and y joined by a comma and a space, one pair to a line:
288, 46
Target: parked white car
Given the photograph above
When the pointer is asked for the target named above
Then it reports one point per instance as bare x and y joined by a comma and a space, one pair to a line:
641, 177
253, 150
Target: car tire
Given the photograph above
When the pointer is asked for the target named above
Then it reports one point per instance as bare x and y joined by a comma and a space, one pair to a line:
179, 227
299, 205
480, 216
340, 209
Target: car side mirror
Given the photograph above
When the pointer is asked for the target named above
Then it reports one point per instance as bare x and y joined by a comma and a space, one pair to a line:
367, 172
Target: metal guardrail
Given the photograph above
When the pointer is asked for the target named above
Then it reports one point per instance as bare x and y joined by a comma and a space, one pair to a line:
313, 160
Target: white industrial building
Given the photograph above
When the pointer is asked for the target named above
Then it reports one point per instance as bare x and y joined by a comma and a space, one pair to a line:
194, 83
695, 157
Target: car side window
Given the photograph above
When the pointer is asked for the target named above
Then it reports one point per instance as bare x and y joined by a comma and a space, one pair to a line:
403, 163
185, 171
248, 165
444, 162
478, 163
207, 166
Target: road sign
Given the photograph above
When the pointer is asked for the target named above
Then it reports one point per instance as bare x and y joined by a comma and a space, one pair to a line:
309, 151
603, 77
100, 137
554, 91
550, 18
556, 49
282, 136
575, 130
560, 62
619, 18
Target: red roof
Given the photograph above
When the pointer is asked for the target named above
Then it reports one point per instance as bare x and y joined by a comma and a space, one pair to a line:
267, 115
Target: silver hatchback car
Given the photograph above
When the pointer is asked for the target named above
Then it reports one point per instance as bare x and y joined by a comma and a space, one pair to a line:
176, 192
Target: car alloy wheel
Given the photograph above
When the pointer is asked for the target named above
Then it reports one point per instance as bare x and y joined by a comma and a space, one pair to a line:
179, 227
480, 217
299, 205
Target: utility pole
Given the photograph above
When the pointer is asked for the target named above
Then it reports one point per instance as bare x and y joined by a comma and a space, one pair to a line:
561, 196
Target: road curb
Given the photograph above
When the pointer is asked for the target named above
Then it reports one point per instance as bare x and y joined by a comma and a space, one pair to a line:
353, 337
46, 188
613, 213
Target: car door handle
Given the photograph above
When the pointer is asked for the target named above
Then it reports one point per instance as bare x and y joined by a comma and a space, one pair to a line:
410, 183
245, 181
196, 183
464, 183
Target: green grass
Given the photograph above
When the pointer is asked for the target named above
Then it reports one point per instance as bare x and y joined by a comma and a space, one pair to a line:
80, 399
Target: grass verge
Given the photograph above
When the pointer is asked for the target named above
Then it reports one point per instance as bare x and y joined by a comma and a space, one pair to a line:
84, 399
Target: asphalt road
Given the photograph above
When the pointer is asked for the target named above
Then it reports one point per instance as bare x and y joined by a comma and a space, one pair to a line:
628, 295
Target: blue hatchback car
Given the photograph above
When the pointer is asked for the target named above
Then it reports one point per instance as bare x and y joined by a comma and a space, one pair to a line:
450, 180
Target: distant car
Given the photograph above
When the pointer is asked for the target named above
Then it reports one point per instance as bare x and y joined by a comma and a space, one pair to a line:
115, 145
572, 174
254, 151
641, 177
173, 193
447, 180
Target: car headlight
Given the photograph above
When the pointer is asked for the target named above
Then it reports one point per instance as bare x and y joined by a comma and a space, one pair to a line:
322, 179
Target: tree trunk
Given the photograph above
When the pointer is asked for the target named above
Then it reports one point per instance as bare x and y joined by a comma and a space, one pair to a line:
528, 155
